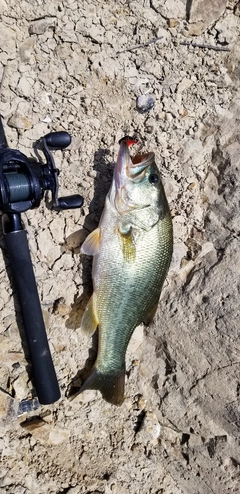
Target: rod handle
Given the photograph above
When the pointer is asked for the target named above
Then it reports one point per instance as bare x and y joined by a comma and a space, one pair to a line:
44, 374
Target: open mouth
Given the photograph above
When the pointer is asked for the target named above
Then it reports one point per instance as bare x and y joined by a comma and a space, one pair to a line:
138, 165
128, 166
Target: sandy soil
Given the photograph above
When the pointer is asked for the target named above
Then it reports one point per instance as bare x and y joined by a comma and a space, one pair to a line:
66, 65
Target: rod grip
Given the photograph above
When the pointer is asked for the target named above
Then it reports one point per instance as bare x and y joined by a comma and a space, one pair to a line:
44, 374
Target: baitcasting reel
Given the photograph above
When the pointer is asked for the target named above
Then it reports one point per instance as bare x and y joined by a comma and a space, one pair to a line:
23, 182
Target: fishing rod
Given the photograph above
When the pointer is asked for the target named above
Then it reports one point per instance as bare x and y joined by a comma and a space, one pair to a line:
23, 182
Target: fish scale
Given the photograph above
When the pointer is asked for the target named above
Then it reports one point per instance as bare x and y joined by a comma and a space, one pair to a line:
132, 249
112, 339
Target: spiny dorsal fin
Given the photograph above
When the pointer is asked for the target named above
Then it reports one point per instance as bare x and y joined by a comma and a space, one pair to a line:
89, 320
91, 245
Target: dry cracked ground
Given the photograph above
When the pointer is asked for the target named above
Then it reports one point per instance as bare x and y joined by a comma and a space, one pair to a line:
72, 65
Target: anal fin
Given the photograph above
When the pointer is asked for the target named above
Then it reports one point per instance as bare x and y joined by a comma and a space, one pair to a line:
89, 320
150, 315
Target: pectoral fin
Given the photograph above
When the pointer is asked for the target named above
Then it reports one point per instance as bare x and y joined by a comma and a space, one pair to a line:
127, 244
90, 321
91, 245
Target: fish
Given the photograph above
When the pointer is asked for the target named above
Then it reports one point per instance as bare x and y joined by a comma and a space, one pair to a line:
131, 249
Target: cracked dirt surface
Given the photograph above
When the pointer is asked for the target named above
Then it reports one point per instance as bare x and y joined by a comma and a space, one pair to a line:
65, 67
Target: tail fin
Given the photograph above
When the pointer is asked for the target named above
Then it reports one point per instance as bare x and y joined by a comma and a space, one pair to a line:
111, 385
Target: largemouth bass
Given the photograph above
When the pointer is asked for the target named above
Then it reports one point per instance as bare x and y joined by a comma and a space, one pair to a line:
132, 249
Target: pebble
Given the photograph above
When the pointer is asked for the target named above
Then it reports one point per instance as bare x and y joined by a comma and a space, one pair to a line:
227, 30
3, 6
75, 239
20, 387
45, 433
136, 341
170, 9
203, 14
150, 431
40, 26
237, 9
25, 86
145, 103
8, 408
168, 117
184, 84
140, 82
47, 119
7, 43
223, 112
173, 22
19, 121
26, 50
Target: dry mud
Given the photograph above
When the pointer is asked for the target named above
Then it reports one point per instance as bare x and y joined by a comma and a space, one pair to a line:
65, 67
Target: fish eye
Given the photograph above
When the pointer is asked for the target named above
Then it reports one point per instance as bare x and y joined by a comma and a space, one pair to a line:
153, 178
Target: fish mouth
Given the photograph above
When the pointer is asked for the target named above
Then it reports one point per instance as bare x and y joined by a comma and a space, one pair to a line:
140, 163
130, 167
127, 169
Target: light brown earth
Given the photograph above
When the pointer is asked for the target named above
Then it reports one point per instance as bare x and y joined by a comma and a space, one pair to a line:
177, 431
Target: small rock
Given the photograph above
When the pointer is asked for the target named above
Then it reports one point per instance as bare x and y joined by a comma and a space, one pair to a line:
74, 490
145, 103
151, 429
19, 121
46, 119
3, 6
7, 40
20, 387
136, 340
26, 50
195, 441
184, 84
204, 13
179, 253
58, 436
139, 83
96, 33
192, 149
168, 117
170, 9
227, 29
224, 81
149, 129
223, 112
164, 34
25, 86
237, 9
75, 240
40, 26
45, 433
173, 22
